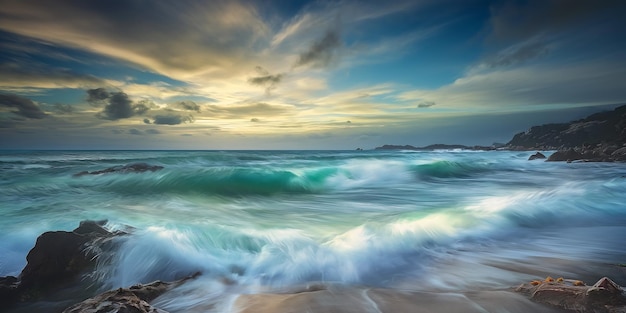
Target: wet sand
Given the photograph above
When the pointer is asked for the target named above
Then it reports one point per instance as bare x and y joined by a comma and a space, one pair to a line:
345, 299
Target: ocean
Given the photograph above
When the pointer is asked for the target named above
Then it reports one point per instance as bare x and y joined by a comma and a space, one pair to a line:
259, 221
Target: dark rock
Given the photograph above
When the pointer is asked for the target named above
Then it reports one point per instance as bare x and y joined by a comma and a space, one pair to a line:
115, 301
130, 168
619, 154
565, 155
8, 291
92, 227
127, 300
604, 296
57, 259
536, 156
600, 128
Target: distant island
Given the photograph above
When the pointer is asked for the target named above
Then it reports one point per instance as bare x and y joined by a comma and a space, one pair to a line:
437, 147
600, 137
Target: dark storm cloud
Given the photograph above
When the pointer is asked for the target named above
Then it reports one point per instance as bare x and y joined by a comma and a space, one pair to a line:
120, 106
321, 53
135, 131
171, 119
97, 95
426, 104
146, 121
25, 107
152, 131
255, 120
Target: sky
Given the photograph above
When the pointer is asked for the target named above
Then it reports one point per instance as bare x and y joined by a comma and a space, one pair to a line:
195, 74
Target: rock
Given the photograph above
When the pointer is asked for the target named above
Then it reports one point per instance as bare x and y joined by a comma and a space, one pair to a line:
536, 156
619, 154
604, 296
130, 168
57, 258
115, 301
8, 291
565, 155
601, 128
127, 300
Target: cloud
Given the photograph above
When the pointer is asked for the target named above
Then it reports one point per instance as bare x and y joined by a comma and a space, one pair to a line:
24, 75
171, 119
188, 105
247, 109
137, 132
25, 107
121, 106
589, 83
321, 52
516, 54
97, 95
515, 20
255, 120
63, 108
146, 121
265, 79
201, 36
426, 104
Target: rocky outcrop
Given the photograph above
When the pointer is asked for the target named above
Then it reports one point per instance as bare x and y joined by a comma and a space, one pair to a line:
130, 168
127, 300
436, 147
597, 130
605, 296
536, 156
600, 153
58, 258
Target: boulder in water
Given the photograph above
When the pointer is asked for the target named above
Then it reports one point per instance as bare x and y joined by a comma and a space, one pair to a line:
57, 258
536, 156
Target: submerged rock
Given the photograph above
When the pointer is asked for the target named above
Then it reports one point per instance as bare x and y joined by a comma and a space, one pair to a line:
605, 296
130, 168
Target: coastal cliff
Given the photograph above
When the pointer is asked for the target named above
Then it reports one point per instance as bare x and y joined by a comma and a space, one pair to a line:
604, 128
600, 137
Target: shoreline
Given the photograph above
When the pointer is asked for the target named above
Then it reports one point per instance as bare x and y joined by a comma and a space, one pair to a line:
493, 290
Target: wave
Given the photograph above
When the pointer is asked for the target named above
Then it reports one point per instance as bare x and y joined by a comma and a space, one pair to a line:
449, 169
268, 180
222, 181
373, 253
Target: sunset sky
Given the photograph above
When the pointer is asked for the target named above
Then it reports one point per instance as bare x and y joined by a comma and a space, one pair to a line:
192, 74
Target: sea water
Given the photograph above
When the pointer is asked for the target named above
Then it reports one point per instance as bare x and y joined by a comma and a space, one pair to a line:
253, 221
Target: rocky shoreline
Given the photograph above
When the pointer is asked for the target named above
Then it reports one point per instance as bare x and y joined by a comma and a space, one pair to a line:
600, 137
60, 259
